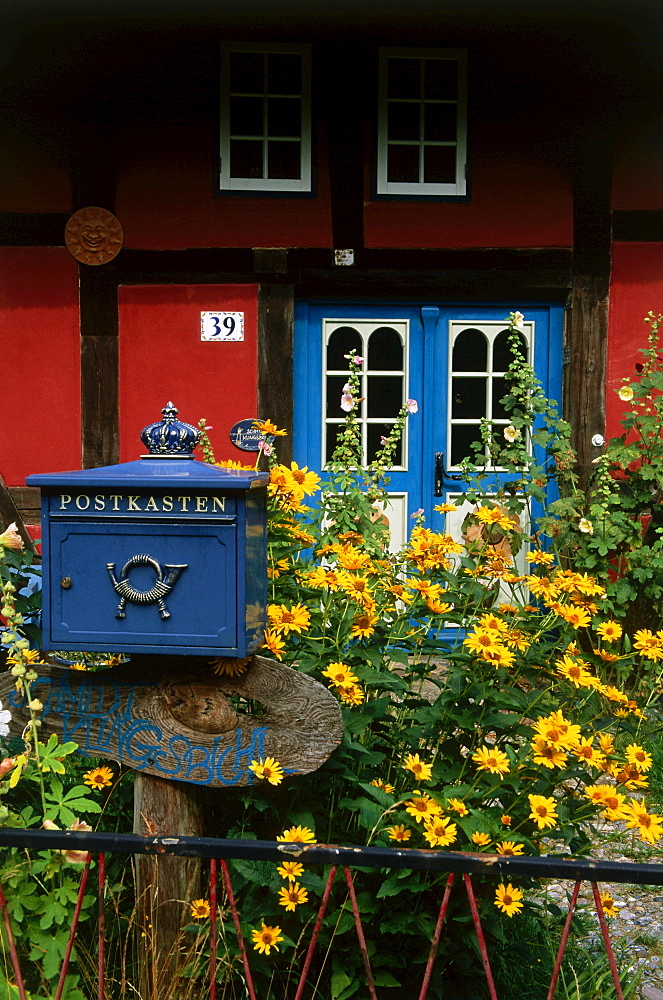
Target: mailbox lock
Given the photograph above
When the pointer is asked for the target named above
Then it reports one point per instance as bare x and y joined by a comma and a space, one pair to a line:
65, 582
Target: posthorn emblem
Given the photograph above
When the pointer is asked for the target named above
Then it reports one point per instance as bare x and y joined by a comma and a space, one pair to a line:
167, 576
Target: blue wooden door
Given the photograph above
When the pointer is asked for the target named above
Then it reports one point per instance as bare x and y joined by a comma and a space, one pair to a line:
451, 359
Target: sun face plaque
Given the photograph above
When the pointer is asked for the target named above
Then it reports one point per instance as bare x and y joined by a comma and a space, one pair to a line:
93, 236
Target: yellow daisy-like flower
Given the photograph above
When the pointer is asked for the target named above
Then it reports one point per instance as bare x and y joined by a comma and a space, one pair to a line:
508, 899
505, 820
445, 508
419, 768
614, 806
575, 616
510, 849
297, 835
494, 515
491, 759
439, 831
363, 626
79, 665
458, 807
268, 770
98, 778
648, 643
200, 909
266, 938
637, 755
422, 806
267, 427
339, 673
290, 870
540, 558
480, 838
608, 904
399, 833
609, 631
483, 642
585, 750
649, 825
230, 666
284, 620
274, 643
543, 811
384, 785
351, 694
292, 896
548, 754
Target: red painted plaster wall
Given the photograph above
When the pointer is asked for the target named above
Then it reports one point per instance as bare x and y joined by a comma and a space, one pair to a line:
166, 199
162, 358
40, 407
636, 288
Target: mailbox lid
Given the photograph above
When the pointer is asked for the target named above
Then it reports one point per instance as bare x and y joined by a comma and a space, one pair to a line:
154, 472
196, 561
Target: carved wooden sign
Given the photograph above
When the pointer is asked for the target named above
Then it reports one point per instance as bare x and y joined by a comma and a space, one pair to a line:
172, 717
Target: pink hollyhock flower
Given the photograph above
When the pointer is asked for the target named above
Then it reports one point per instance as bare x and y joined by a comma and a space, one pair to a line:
347, 402
10, 539
412, 406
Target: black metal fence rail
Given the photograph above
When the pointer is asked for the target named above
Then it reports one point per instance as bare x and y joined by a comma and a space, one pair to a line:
544, 866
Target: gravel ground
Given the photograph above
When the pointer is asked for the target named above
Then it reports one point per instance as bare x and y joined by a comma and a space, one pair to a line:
639, 923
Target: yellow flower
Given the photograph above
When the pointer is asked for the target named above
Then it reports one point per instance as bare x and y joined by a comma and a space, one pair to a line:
384, 785
540, 558
268, 769
648, 824
200, 909
308, 482
98, 778
290, 870
292, 895
10, 539
543, 811
266, 938
351, 694
625, 393
505, 820
648, 644
339, 673
445, 508
480, 838
494, 515
267, 427
285, 620
439, 831
399, 833
548, 754
458, 807
274, 643
490, 759
297, 835
419, 769
638, 755
363, 626
482, 642
422, 807
230, 666
608, 904
508, 899
575, 616
609, 631
509, 849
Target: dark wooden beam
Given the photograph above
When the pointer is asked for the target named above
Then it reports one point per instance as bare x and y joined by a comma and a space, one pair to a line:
644, 226
99, 381
22, 229
276, 309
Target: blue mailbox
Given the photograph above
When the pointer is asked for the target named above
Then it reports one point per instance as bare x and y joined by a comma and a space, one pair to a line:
163, 554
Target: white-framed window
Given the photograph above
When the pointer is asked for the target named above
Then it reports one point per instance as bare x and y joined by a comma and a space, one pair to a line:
383, 344
422, 122
265, 129
480, 356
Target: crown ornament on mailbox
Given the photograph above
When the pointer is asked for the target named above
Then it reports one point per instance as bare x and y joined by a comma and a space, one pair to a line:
170, 436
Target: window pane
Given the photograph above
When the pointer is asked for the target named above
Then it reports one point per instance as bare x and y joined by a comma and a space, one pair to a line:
440, 164
385, 395
341, 342
284, 73
284, 116
247, 72
403, 120
468, 398
331, 433
462, 439
385, 350
374, 433
500, 390
440, 122
403, 164
283, 160
246, 116
404, 78
502, 356
440, 79
245, 158
470, 352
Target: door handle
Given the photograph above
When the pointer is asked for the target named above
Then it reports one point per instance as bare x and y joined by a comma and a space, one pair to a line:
441, 474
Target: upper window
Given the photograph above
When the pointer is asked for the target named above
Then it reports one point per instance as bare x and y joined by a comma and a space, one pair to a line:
265, 118
422, 118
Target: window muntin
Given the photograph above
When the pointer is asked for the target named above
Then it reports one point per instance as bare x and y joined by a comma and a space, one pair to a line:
422, 122
480, 356
265, 142
384, 346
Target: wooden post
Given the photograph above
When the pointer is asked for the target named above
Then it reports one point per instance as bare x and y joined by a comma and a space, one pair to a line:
165, 886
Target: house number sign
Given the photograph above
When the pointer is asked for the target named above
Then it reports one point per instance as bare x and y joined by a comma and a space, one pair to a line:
221, 326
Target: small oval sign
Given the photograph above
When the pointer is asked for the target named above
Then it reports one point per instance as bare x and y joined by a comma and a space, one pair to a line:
245, 435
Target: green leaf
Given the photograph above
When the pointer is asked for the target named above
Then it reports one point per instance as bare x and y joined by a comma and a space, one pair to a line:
340, 981
383, 978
